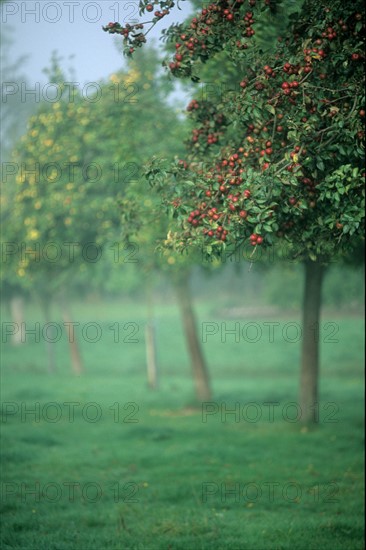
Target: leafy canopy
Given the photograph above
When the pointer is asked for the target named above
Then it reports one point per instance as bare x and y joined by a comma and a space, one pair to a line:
277, 158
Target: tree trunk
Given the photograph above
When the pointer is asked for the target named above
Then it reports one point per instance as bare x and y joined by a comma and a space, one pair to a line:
17, 317
309, 375
150, 342
199, 369
151, 364
75, 357
50, 346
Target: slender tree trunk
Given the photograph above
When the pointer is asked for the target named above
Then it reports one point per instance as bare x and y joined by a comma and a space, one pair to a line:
75, 357
50, 346
151, 364
199, 368
150, 345
17, 317
309, 375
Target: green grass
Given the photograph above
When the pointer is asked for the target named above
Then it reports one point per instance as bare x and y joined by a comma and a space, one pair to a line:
169, 460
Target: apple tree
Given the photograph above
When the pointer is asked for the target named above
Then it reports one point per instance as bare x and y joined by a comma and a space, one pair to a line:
278, 161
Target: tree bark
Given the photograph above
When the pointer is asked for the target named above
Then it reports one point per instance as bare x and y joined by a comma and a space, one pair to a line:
50, 346
17, 316
309, 376
199, 368
151, 364
75, 356
150, 342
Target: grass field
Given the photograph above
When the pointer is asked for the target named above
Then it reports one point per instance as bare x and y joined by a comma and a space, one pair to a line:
103, 462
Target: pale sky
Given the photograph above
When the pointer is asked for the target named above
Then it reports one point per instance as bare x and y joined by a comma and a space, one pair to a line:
72, 27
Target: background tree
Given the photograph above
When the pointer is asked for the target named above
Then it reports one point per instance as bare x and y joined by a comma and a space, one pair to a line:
14, 114
79, 160
60, 212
